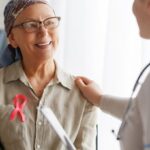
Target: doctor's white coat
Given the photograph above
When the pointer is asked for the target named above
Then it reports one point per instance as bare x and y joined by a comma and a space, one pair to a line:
135, 129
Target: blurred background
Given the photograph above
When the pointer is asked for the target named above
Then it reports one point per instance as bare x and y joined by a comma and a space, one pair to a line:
99, 39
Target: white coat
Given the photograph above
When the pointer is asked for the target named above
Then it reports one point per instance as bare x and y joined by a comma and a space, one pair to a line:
134, 132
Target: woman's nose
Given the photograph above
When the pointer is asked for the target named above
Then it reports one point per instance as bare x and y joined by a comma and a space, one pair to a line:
43, 30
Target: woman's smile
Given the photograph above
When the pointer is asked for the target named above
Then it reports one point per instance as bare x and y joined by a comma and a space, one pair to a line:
43, 45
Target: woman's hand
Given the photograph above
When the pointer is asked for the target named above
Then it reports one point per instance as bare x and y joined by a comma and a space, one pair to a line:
90, 90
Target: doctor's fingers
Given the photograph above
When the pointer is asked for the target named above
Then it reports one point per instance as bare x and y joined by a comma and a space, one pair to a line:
83, 80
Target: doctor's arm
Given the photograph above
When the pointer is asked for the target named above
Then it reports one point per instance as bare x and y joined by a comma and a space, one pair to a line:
114, 106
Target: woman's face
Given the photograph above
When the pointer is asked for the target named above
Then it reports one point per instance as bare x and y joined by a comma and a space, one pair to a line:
141, 10
40, 44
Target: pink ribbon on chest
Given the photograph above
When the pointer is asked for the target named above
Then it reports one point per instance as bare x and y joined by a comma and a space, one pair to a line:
19, 103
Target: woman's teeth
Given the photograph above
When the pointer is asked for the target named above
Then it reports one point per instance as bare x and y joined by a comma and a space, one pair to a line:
44, 44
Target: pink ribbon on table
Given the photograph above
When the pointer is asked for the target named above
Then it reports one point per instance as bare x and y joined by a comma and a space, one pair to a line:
19, 103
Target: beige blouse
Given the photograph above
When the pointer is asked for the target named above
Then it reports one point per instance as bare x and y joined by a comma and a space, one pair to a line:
76, 115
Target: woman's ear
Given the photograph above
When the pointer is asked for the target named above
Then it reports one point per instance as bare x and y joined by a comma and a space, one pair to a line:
12, 40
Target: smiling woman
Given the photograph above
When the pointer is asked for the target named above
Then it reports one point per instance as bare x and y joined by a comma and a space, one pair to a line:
38, 44
32, 39
38, 77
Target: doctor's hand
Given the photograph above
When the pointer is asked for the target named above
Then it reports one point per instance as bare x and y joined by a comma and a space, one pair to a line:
90, 90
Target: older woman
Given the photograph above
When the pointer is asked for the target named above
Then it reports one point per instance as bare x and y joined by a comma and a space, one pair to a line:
31, 27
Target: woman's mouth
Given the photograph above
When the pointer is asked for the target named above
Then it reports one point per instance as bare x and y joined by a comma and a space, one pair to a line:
43, 45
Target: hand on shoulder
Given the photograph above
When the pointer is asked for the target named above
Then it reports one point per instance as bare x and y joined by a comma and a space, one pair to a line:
90, 90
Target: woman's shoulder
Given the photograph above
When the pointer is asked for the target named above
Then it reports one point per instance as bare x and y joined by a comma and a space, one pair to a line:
6, 72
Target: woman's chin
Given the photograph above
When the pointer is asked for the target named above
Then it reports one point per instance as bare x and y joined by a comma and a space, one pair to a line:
145, 35
44, 55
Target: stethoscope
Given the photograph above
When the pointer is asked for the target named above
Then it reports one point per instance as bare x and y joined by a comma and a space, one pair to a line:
143, 74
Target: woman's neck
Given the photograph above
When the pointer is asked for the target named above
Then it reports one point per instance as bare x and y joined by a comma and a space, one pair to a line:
39, 74
39, 68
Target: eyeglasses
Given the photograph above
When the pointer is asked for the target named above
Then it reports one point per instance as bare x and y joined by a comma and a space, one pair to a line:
33, 26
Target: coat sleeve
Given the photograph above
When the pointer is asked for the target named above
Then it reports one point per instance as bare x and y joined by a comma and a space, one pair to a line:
114, 106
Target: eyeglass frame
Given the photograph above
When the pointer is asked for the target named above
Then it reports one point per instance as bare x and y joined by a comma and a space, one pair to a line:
40, 23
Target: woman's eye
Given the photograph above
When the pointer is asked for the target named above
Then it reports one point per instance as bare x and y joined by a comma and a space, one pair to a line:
49, 23
31, 25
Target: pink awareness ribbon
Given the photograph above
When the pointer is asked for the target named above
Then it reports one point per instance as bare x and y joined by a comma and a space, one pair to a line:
19, 103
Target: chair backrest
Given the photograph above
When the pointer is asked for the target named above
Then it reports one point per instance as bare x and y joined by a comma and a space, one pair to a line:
97, 137
3, 41
3, 44
9, 55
